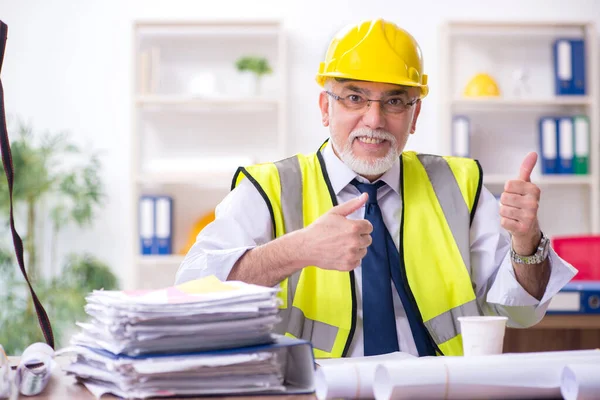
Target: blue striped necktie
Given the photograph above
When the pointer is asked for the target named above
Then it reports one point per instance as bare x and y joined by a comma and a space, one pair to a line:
379, 322
380, 267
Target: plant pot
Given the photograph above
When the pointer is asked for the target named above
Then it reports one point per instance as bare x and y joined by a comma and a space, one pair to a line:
248, 84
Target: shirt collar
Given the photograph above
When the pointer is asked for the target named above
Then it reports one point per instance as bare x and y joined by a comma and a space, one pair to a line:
340, 175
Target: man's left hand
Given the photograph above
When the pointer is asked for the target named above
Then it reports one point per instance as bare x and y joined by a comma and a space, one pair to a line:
519, 206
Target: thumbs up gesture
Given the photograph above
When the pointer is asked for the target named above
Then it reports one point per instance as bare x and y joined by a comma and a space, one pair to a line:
519, 207
335, 242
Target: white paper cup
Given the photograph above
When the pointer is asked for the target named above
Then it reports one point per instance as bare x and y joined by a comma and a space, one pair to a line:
483, 335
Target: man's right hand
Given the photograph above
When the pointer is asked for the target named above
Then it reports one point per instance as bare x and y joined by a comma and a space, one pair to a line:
335, 242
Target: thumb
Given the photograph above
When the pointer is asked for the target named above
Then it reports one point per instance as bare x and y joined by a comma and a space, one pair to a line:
527, 166
350, 206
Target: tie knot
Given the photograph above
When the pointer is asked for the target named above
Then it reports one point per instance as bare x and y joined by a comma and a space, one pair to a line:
370, 188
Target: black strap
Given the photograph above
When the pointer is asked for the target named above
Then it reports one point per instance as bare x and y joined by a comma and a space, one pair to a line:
10, 176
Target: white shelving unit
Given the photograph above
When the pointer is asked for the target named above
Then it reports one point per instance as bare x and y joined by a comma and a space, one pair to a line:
196, 119
504, 129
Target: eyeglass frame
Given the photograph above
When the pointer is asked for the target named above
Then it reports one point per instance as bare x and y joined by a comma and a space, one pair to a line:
369, 101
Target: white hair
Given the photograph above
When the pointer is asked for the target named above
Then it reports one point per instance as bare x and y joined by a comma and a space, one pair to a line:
364, 167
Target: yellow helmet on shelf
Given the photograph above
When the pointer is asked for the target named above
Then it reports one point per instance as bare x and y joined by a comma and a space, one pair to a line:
196, 229
482, 85
377, 51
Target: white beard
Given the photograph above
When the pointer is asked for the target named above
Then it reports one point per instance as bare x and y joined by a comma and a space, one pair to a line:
364, 167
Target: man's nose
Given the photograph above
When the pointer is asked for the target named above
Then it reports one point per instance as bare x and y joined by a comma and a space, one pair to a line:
373, 117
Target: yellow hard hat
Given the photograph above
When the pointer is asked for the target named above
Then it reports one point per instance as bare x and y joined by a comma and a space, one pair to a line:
482, 85
376, 51
196, 229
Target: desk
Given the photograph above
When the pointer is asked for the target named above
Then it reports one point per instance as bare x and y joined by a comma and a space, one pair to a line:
556, 332
62, 387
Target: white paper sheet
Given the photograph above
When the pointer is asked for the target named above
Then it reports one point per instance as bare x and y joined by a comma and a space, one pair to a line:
580, 382
492, 377
350, 377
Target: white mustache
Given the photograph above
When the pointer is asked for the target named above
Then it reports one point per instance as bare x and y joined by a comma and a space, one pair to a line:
364, 132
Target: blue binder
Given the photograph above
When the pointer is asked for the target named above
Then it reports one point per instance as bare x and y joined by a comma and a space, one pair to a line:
566, 142
164, 224
548, 139
569, 66
147, 225
578, 297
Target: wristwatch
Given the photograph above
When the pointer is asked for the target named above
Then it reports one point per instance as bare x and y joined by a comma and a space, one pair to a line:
537, 258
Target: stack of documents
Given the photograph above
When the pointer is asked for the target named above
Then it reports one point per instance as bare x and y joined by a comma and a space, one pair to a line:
199, 338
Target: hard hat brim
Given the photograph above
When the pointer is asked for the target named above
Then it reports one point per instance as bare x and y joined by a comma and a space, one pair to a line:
321, 78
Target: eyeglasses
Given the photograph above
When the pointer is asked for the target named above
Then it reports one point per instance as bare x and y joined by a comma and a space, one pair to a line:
389, 105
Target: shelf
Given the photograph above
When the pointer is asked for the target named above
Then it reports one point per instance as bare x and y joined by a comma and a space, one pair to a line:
182, 101
519, 29
569, 321
208, 179
189, 137
178, 29
499, 179
511, 25
508, 103
170, 259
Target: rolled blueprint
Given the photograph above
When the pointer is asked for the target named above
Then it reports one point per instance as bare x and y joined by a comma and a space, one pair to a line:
350, 378
581, 382
32, 381
503, 376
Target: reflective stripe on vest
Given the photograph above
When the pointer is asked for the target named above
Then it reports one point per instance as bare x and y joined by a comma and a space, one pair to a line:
451, 200
293, 320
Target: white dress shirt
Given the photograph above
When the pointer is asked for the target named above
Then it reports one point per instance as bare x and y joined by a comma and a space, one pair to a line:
243, 221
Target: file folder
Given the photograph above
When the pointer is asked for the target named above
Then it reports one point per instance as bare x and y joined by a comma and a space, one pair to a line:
164, 224
548, 129
294, 357
569, 66
566, 139
582, 144
582, 297
146, 225
461, 136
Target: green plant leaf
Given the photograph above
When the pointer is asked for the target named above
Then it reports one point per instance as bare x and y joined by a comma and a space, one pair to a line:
258, 65
52, 170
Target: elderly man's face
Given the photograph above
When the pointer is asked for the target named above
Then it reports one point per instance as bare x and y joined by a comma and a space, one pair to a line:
369, 136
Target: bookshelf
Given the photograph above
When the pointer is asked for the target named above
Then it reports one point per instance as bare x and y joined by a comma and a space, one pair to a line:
504, 129
196, 119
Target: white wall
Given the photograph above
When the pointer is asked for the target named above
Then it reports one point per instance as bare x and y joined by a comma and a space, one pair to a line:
68, 67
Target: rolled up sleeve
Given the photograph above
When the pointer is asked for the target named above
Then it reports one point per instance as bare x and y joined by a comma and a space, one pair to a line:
242, 222
493, 276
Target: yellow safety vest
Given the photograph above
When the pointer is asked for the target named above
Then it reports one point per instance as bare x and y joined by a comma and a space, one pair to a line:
439, 195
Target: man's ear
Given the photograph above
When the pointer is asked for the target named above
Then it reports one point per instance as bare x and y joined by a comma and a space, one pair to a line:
413, 126
324, 106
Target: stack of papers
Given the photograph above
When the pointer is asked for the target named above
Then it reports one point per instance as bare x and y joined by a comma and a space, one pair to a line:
201, 337
251, 370
204, 314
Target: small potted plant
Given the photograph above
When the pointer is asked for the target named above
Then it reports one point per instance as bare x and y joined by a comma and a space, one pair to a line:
252, 69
